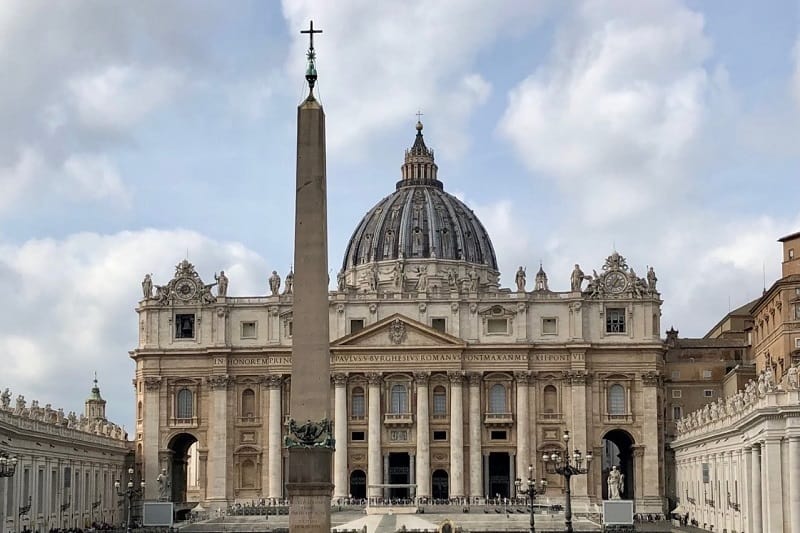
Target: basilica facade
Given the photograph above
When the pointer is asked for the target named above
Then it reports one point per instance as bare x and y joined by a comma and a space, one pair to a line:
444, 383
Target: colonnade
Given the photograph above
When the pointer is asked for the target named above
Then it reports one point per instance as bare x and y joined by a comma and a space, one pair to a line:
742, 488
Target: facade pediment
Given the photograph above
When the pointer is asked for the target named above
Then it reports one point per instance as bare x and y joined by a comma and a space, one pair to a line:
398, 330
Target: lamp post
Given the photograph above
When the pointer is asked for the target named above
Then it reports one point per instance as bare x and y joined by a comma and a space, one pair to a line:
129, 492
530, 488
8, 465
563, 466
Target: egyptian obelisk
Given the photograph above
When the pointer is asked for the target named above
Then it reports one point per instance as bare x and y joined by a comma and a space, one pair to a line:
309, 437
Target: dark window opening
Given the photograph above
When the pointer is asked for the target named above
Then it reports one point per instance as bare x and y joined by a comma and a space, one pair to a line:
356, 325
439, 324
439, 435
615, 320
497, 434
357, 435
184, 326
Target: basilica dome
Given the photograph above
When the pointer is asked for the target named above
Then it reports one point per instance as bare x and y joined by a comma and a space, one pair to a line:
419, 220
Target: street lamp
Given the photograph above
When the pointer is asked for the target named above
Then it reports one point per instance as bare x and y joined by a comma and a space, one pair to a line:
8, 465
530, 488
563, 466
129, 492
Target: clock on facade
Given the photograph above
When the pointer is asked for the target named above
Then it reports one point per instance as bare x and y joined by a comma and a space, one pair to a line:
615, 282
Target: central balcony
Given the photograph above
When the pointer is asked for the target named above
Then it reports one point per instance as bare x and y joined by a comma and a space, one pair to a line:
398, 419
499, 419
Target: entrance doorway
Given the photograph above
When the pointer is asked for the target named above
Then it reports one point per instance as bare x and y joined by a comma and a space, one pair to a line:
400, 473
440, 486
358, 484
618, 451
179, 446
499, 475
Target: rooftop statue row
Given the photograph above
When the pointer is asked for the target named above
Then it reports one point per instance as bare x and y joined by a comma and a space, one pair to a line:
57, 417
615, 280
743, 401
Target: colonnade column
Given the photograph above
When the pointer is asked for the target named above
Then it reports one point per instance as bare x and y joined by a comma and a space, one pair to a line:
340, 488
423, 461
274, 452
773, 467
374, 457
456, 435
794, 482
523, 428
218, 452
475, 430
755, 486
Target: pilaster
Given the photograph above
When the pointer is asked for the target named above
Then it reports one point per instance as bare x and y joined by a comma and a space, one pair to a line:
456, 435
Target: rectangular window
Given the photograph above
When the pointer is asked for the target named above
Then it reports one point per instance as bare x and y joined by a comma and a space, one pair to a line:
497, 434
248, 330
615, 320
356, 325
289, 327
439, 324
676, 374
708, 393
184, 326
706, 374
677, 393
677, 412
797, 312
497, 325
797, 342
357, 405
358, 436
439, 435
549, 326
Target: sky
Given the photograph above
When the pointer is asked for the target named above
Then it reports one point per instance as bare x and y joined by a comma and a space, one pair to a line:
135, 134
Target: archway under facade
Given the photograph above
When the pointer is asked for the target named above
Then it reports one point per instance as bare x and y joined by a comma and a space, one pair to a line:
440, 485
180, 446
618, 451
358, 484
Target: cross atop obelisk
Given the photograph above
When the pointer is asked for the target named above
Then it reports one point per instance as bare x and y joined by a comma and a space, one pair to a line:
311, 70
309, 435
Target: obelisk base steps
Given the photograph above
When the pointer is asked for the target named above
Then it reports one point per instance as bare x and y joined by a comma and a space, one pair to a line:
309, 489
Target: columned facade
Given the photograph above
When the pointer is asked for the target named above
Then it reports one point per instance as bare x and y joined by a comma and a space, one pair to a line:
737, 464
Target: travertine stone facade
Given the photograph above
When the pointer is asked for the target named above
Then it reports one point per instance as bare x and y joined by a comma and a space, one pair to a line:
66, 469
738, 463
440, 378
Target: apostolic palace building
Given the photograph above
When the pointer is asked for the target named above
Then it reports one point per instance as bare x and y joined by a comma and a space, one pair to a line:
444, 383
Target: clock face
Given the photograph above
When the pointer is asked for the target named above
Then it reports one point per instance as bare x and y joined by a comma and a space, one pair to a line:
185, 288
615, 282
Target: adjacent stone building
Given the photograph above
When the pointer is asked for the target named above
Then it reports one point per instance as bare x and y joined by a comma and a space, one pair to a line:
445, 384
66, 465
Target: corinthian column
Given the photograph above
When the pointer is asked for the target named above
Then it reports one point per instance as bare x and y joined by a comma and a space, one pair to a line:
218, 442
755, 486
423, 460
475, 452
523, 428
274, 437
456, 435
340, 434
374, 458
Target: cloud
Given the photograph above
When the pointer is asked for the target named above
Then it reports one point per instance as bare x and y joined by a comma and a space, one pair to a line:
70, 307
119, 96
95, 177
379, 62
613, 115
19, 177
796, 75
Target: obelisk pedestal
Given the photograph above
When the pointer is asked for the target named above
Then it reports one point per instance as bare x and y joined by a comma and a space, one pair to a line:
309, 437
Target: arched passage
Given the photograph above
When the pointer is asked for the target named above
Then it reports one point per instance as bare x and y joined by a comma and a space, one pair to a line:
618, 451
358, 484
440, 485
179, 445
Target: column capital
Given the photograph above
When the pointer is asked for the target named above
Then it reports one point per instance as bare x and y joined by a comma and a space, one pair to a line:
374, 378
794, 438
273, 381
456, 377
339, 379
474, 378
220, 382
422, 377
522, 376
152, 383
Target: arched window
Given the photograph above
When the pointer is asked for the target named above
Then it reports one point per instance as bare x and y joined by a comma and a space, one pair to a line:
399, 399
439, 400
550, 399
185, 407
357, 402
616, 400
497, 399
248, 403
139, 410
